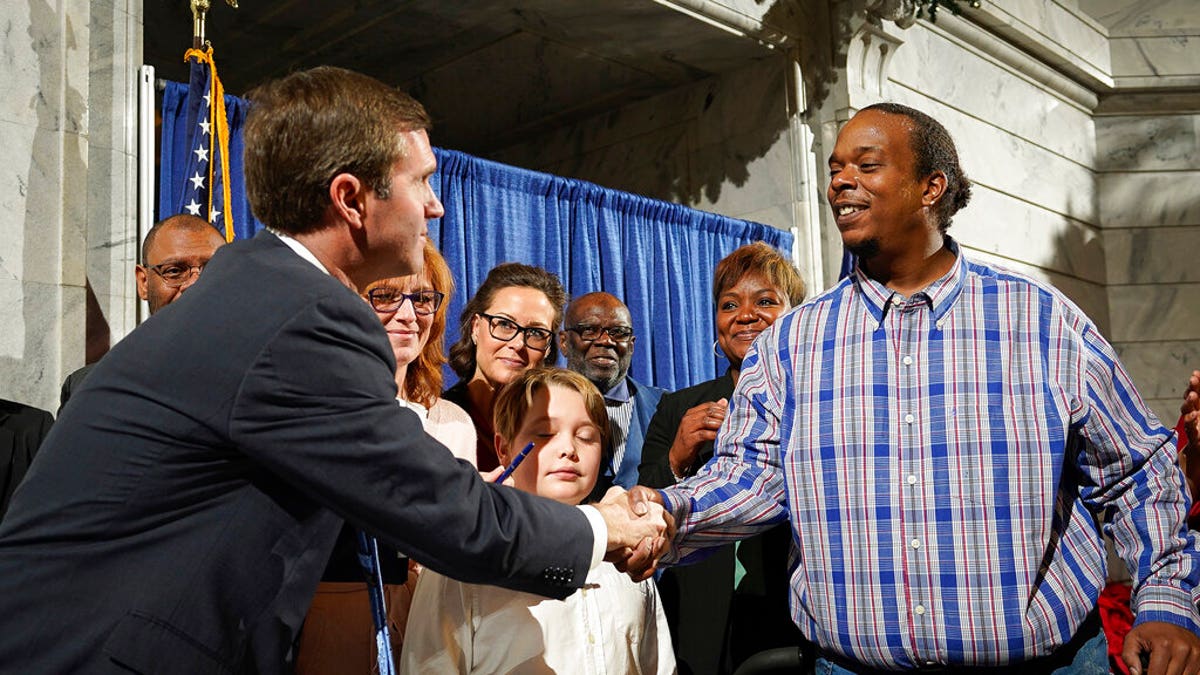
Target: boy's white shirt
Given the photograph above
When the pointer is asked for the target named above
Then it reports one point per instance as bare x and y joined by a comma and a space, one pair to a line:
612, 626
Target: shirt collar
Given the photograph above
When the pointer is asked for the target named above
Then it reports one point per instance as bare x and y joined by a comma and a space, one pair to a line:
300, 249
619, 393
939, 295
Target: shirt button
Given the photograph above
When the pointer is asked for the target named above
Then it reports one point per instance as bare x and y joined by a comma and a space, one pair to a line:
920, 610
907, 360
897, 300
909, 418
916, 543
939, 325
912, 480
592, 638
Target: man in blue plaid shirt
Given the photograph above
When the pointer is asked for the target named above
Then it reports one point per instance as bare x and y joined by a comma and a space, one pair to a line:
946, 439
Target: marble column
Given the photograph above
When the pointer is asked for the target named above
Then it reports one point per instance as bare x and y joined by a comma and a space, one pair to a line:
58, 118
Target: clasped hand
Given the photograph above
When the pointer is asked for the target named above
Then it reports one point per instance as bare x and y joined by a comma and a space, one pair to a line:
639, 530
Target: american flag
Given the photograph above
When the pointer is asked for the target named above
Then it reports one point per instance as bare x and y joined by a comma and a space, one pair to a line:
205, 192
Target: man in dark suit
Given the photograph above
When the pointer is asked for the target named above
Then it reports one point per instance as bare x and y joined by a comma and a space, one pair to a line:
598, 343
180, 513
174, 252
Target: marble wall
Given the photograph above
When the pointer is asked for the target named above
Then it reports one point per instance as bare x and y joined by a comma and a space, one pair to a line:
1147, 169
62, 189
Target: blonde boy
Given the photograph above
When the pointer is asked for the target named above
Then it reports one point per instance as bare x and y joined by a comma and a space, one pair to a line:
612, 625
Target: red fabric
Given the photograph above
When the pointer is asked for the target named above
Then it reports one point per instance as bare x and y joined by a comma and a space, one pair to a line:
1193, 516
1117, 619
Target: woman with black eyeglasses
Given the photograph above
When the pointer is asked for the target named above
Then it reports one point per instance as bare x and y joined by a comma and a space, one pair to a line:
338, 633
507, 328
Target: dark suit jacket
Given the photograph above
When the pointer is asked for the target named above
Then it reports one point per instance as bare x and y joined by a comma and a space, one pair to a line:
73, 382
180, 513
22, 429
715, 627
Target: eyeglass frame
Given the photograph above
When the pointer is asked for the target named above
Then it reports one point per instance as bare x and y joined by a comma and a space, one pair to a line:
180, 281
579, 329
410, 297
523, 331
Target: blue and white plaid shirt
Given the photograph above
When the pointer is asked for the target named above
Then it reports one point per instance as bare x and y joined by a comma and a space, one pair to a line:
944, 460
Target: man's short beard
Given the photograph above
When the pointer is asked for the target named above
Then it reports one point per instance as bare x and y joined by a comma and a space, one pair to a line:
865, 250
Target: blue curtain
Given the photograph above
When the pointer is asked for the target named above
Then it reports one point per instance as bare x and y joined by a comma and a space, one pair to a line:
655, 256
181, 134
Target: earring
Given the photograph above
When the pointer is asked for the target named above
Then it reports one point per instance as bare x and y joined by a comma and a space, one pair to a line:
717, 353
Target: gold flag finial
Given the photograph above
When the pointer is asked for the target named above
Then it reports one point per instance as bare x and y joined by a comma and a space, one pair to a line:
199, 14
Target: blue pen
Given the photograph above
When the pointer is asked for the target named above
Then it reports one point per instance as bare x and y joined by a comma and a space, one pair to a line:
512, 466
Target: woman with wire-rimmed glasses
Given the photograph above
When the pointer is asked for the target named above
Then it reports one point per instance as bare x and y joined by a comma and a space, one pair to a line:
337, 633
508, 327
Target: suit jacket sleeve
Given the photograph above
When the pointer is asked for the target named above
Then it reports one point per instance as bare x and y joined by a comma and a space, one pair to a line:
316, 407
655, 469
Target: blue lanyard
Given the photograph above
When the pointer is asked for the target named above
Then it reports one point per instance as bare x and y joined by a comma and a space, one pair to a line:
368, 557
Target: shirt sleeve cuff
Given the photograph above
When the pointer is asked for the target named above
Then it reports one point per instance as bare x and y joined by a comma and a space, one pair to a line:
1167, 604
599, 535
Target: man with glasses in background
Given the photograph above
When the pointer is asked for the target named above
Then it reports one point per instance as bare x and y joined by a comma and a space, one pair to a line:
174, 253
598, 343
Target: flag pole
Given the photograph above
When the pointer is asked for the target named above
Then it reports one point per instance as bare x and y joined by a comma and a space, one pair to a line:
199, 14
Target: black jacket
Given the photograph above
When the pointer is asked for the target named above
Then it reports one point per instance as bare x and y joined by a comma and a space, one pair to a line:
22, 429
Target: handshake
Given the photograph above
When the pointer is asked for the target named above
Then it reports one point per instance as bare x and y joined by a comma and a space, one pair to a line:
639, 529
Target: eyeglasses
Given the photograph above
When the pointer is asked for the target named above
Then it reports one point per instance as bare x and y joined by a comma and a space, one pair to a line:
506, 329
176, 274
386, 300
591, 333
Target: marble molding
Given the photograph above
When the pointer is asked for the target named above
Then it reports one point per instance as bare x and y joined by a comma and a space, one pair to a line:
1141, 17
1152, 143
1154, 61
868, 55
1056, 32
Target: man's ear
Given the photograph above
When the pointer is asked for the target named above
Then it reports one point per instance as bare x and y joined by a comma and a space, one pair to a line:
562, 340
935, 189
501, 449
348, 198
139, 272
